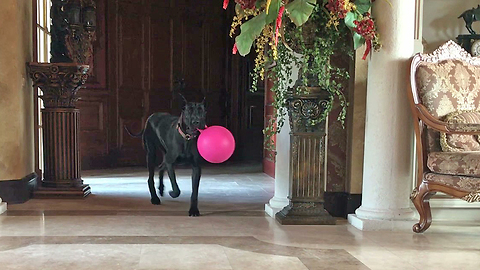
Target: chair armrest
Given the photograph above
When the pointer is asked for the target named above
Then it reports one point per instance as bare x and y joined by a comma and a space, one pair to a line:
450, 128
462, 128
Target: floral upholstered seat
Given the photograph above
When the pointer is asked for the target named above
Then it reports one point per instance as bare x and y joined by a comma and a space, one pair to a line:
455, 163
445, 100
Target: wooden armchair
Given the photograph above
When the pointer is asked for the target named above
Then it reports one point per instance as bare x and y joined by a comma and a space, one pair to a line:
444, 95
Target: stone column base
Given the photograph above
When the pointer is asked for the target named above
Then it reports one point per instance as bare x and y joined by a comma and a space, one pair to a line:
298, 213
3, 206
62, 193
275, 205
271, 211
381, 224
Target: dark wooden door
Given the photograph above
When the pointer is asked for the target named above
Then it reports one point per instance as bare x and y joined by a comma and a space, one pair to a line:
155, 44
143, 48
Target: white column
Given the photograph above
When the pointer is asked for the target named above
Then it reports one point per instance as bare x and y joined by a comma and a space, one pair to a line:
3, 206
282, 172
282, 162
387, 170
418, 26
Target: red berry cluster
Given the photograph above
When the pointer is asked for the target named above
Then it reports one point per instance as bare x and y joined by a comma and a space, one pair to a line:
365, 27
246, 4
337, 7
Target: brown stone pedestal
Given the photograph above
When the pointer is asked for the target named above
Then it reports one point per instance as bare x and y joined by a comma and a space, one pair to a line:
60, 83
307, 162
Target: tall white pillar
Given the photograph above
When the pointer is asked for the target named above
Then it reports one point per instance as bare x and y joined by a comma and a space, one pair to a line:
282, 172
3, 206
418, 33
282, 161
387, 170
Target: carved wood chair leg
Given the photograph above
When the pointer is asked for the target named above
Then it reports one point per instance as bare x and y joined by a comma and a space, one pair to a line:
420, 198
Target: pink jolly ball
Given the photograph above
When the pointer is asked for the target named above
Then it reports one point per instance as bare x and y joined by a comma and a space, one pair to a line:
216, 144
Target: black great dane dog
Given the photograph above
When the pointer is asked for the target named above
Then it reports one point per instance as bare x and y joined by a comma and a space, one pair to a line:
177, 138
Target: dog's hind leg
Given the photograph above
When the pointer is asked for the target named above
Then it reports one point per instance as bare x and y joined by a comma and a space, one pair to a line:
151, 158
175, 192
196, 173
161, 173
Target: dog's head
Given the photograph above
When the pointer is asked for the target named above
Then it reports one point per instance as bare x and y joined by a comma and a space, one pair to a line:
193, 116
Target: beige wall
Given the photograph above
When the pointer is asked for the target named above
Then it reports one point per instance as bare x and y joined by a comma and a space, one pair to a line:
16, 93
441, 23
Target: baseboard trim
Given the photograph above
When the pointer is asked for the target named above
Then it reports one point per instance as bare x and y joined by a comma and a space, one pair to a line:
340, 204
19, 190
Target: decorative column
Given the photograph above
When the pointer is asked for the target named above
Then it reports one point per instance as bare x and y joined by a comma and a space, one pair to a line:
418, 33
282, 172
60, 83
73, 33
388, 170
282, 160
3, 206
307, 161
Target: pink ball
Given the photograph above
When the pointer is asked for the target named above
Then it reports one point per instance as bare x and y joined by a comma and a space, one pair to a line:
216, 144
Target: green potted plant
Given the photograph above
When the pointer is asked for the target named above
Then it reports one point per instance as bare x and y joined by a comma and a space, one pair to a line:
308, 34
314, 29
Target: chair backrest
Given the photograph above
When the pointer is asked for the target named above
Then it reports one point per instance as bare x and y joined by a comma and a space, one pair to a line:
445, 81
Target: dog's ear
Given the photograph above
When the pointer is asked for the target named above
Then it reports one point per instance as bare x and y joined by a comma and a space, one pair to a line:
184, 99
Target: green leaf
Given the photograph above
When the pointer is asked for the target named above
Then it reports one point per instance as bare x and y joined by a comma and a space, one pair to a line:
259, 4
273, 10
239, 10
250, 30
363, 5
300, 10
350, 18
358, 41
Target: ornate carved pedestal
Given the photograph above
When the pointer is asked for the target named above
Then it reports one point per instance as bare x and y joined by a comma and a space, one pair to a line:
307, 160
60, 124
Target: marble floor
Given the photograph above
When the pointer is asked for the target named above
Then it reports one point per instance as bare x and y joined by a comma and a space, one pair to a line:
116, 228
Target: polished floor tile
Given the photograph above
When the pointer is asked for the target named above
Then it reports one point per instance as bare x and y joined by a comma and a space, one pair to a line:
118, 228
186, 256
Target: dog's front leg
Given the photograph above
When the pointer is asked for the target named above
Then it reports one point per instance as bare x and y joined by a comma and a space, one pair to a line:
196, 173
175, 192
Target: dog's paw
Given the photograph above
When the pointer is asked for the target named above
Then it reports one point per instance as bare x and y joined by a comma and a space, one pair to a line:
174, 194
155, 201
161, 189
193, 212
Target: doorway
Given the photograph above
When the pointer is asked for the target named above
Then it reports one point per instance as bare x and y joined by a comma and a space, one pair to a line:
144, 50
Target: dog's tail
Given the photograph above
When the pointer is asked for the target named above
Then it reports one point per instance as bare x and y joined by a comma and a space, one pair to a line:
138, 135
